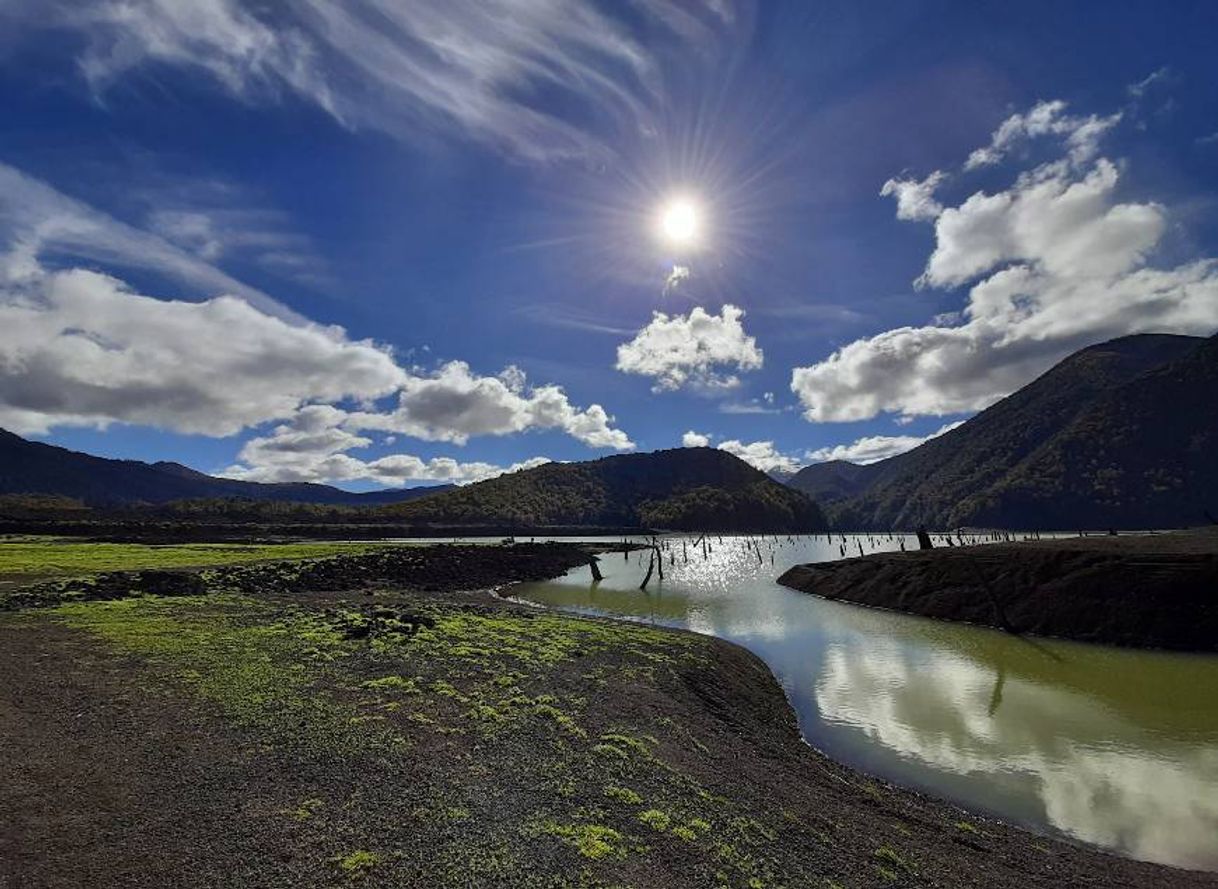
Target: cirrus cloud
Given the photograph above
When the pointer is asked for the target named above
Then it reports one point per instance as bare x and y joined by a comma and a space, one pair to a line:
474, 67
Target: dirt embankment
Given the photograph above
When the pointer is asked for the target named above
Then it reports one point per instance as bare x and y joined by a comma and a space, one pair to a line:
446, 567
370, 732
1137, 590
195, 531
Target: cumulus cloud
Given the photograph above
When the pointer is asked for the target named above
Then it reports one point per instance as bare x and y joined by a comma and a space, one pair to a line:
915, 198
693, 349
1081, 134
80, 348
478, 67
1068, 226
761, 455
1058, 263
313, 448
454, 404
874, 448
758, 454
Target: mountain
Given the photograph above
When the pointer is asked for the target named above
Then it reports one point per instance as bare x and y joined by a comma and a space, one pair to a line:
1115, 435
30, 467
680, 489
832, 481
1147, 450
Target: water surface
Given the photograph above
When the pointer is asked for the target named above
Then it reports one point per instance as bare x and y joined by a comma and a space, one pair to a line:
1112, 747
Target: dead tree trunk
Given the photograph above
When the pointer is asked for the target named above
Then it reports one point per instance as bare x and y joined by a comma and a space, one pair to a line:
650, 567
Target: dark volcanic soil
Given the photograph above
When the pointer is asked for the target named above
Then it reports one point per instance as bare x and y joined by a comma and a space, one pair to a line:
1136, 590
380, 734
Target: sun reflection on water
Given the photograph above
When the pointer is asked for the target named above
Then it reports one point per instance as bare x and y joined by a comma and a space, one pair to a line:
1112, 747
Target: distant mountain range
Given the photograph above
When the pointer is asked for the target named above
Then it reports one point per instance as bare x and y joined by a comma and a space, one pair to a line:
687, 488
30, 467
682, 489
1123, 434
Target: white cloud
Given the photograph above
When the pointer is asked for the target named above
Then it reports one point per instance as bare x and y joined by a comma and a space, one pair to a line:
758, 454
762, 455
1150, 81
37, 222
80, 348
1081, 134
217, 231
1068, 225
678, 276
454, 404
874, 448
313, 446
915, 198
474, 66
1059, 263
691, 349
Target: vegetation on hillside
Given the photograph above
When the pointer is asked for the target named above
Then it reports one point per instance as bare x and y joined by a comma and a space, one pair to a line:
684, 489
1019, 463
30, 467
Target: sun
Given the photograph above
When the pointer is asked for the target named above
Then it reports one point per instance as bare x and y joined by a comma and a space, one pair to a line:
680, 222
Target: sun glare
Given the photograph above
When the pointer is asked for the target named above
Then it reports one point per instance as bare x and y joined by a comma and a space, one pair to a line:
680, 222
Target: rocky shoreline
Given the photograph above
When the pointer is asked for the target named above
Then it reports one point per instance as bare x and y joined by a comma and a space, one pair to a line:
1134, 590
362, 721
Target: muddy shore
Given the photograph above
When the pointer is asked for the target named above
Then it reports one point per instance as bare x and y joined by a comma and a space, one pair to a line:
367, 723
1134, 590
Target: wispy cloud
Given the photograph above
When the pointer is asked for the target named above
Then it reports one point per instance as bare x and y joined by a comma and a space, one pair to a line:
558, 315
471, 66
40, 224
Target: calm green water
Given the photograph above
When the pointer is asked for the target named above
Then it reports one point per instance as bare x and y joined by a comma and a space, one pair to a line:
1111, 747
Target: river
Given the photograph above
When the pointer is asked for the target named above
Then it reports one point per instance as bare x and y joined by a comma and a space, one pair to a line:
1111, 747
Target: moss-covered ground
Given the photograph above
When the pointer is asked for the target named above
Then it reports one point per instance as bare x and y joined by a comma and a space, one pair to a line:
30, 557
389, 736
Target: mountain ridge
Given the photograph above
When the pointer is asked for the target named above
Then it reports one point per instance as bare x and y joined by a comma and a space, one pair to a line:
972, 474
31, 467
677, 489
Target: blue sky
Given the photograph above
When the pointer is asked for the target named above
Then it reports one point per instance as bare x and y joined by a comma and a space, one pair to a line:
381, 243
